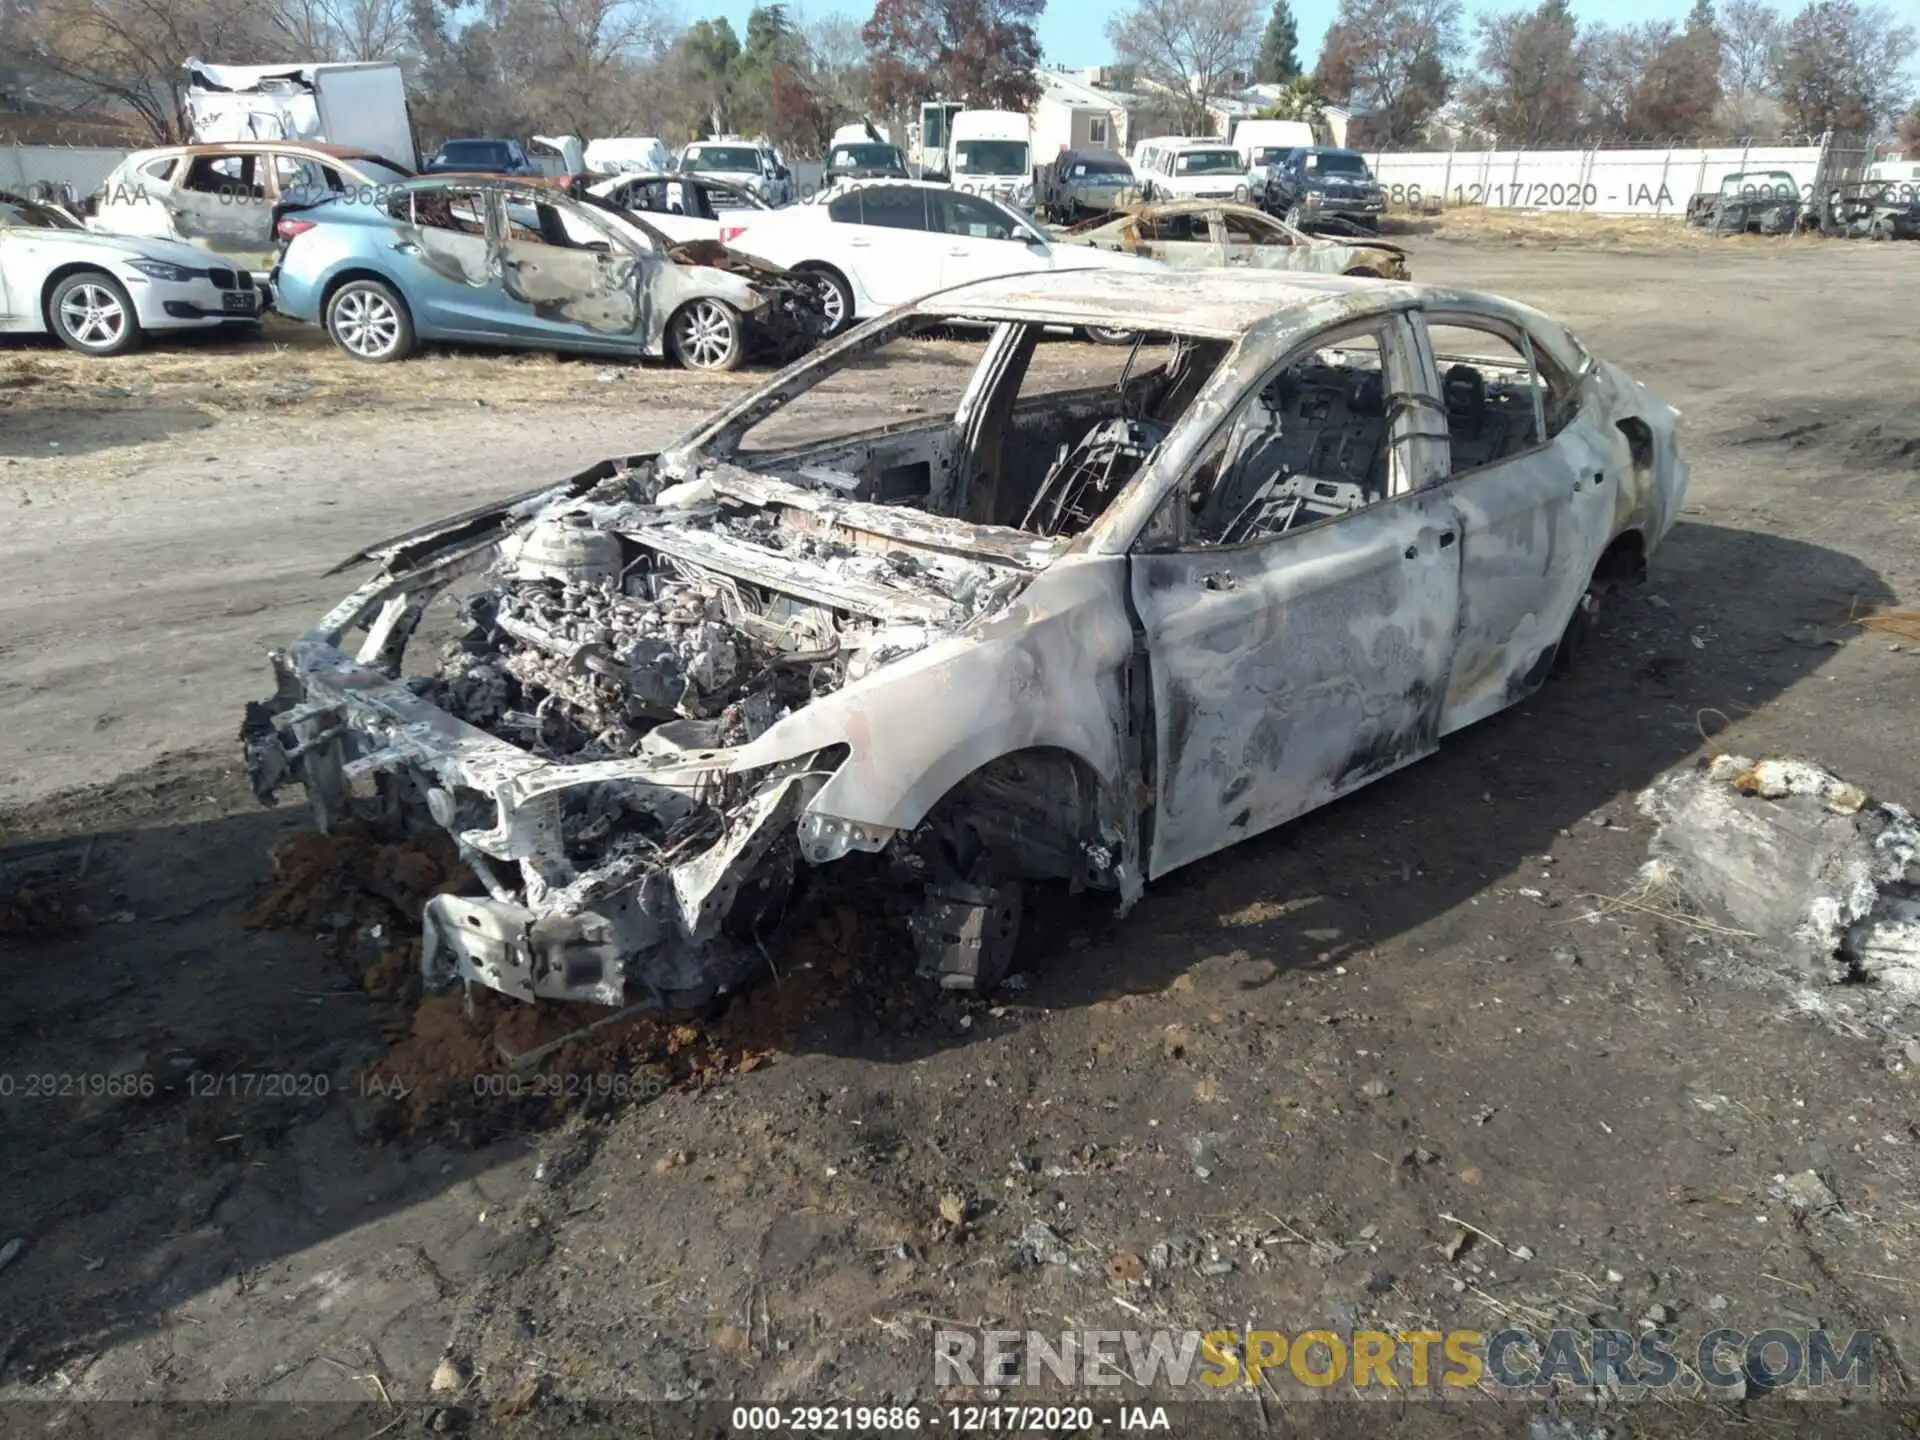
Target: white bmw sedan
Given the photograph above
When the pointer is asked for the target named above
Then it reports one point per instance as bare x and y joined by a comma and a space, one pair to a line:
100, 294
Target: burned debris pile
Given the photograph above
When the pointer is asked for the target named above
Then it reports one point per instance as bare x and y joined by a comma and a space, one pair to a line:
1805, 865
598, 641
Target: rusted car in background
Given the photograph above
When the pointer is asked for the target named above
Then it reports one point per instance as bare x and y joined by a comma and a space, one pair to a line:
1205, 234
1046, 631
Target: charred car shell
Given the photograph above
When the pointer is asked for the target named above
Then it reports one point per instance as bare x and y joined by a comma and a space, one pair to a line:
1204, 234
1111, 635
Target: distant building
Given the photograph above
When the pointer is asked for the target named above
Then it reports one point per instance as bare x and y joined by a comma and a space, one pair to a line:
1070, 114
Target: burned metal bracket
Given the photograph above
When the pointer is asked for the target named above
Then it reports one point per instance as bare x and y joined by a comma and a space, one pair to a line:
965, 934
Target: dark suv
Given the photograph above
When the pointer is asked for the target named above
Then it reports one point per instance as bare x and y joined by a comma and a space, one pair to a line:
481, 157
1315, 182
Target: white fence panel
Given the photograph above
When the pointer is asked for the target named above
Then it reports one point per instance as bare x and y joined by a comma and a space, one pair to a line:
1600, 182
45, 169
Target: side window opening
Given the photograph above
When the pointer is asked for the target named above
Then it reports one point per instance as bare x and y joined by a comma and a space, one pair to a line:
1491, 391
1312, 446
229, 176
1245, 230
463, 212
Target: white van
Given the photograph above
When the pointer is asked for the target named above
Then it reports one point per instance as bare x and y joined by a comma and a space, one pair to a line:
1185, 168
614, 153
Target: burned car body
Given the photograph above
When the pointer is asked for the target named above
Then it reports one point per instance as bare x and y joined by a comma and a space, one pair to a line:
1205, 234
1078, 183
1870, 209
1765, 202
479, 260
1088, 637
226, 196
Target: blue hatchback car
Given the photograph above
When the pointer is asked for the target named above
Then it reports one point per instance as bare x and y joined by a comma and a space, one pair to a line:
493, 261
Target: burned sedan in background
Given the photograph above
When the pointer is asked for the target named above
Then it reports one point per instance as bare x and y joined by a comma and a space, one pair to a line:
477, 260
1039, 631
1201, 234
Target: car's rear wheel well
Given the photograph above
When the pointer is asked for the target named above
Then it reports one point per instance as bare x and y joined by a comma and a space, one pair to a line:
347, 277
1624, 562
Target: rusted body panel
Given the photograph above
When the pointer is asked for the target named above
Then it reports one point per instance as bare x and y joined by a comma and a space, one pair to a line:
694, 671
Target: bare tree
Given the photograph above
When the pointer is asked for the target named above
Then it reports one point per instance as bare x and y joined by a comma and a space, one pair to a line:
131, 53
1750, 34
1396, 58
1196, 50
1532, 89
345, 29
1841, 66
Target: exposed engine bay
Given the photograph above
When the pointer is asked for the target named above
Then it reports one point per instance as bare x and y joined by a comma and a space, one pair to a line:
625, 644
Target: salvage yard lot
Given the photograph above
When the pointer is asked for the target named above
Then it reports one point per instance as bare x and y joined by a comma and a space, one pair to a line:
1278, 1093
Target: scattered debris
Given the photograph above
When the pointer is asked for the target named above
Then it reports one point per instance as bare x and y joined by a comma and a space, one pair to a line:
10, 1251
1805, 1192
1040, 1245
450, 1376
1796, 858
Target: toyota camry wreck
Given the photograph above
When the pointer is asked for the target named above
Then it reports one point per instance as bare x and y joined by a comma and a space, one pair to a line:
1090, 635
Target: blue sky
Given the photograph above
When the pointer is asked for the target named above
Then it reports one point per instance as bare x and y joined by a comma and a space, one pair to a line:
1073, 33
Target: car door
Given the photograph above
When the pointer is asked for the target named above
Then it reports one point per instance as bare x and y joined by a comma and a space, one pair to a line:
892, 250
567, 281
443, 254
981, 240
222, 203
1299, 621
11, 217
1528, 479
1178, 238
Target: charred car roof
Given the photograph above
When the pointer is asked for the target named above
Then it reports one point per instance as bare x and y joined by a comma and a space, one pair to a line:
1209, 304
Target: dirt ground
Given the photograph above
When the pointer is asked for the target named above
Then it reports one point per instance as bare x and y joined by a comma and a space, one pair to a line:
1407, 1063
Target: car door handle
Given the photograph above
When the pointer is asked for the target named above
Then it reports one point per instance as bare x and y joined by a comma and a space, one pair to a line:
406, 247
859, 244
1447, 537
959, 250
1218, 580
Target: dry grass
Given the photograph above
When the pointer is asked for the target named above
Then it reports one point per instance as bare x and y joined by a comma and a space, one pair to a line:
295, 367
1488, 223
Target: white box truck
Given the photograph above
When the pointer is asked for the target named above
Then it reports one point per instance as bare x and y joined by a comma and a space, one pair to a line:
990, 152
359, 105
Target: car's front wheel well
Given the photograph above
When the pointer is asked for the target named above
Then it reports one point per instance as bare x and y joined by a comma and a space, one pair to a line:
67, 272
1028, 814
1364, 272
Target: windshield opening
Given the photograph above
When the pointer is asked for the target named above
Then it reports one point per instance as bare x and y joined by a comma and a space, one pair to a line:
1206, 162
1101, 165
475, 152
732, 158
1337, 162
990, 157
860, 157
1272, 154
